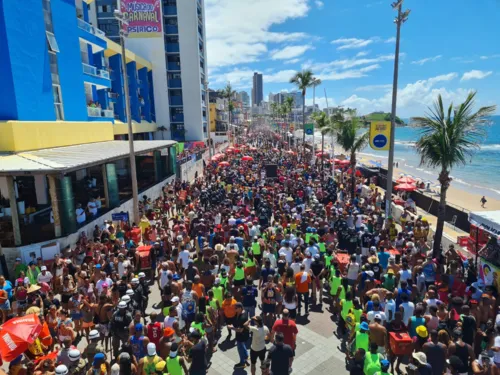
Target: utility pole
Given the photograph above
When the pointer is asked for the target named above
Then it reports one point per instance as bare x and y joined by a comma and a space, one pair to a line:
401, 18
133, 172
207, 100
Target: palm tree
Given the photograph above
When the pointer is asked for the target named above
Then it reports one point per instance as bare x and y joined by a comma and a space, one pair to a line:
228, 93
304, 80
352, 137
449, 138
324, 125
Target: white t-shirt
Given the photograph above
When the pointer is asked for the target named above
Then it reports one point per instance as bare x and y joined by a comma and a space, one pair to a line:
44, 278
307, 262
80, 215
99, 283
352, 272
295, 267
258, 337
231, 221
217, 219
122, 266
92, 206
496, 355
390, 306
404, 275
184, 258
409, 308
371, 316
163, 278
287, 252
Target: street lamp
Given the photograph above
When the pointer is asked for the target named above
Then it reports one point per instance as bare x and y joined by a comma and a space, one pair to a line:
315, 83
401, 18
207, 102
133, 173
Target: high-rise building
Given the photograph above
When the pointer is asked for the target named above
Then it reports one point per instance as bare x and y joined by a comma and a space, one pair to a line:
245, 98
179, 61
257, 89
282, 96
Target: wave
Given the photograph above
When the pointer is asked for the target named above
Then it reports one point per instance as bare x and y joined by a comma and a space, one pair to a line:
493, 147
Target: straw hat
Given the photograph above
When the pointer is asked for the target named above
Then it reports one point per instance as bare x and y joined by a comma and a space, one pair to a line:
34, 288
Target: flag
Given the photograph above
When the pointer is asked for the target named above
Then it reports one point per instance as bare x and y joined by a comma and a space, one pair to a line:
309, 129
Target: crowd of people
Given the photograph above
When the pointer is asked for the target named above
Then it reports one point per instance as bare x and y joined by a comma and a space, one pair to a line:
237, 253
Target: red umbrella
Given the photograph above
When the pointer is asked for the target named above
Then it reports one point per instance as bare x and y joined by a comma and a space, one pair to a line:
252, 148
247, 158
291, 152
322, 154
405, 187
342, 163
275, 149
224, 164
358, 172
17, 334
405, 180
236, 150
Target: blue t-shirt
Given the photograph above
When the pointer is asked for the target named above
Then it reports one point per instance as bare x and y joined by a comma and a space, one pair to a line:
239, 241
383, 259
250, 294
266, 272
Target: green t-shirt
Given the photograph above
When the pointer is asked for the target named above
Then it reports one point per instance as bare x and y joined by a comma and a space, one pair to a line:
362, 341
372, 363
256, 248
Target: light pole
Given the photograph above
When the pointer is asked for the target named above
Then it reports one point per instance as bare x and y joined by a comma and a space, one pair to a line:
133, 173
207, 101
315, 82
401, 18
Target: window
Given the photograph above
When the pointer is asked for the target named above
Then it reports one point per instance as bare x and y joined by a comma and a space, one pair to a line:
174, 75
52, 42
54, 71
58, 105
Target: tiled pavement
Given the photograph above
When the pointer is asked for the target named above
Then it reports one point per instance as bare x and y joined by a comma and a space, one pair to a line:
317, 349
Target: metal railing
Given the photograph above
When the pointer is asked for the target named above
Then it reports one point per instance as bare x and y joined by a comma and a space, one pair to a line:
91, 29
89, 69
103, 73
108, 113
113, 95
94, 111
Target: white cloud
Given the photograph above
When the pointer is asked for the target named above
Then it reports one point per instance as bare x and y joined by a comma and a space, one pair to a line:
390, 40
320, 100
413, 99
489, 57
348, 63
362, 53
239, 78
351, 43
374, 88
319, 4
292, 61
289, 52
426, 60
243, 38
475, 74
282, 76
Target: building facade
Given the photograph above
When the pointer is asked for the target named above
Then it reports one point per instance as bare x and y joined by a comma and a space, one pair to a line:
179, 61
257, 89
245, 99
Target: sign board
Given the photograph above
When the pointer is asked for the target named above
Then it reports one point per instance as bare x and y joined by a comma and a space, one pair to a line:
489, 273
182, 195
380, 135
144, 18
164, 151
122, 216
309, 129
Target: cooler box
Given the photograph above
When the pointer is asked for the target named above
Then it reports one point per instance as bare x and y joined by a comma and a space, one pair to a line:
401, 343
343, 260
462, 241
145, 260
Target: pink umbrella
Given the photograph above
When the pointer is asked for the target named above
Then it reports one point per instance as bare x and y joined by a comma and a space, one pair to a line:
224, 164
405, 180
322, 154
343, 163
247, 158
405, 187
275, 149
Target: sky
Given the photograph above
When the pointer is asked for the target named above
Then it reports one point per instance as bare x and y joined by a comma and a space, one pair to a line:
448, 47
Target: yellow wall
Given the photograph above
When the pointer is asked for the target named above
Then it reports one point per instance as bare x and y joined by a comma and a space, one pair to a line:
121, 128
213, 115
17, 136
115, 48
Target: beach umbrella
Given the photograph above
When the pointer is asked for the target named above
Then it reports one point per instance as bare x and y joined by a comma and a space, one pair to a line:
224, 164
247, 158
343, 163
236, 150
405, 187
406, 180
291, 152
252, 148
322, 154
17, 334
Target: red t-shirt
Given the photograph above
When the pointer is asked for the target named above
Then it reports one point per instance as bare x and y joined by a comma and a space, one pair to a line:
289, 330
155, 333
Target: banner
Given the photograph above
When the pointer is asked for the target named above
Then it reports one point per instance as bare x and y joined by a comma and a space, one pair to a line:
380, 135
180, 147
144, 18
309, 129
489, 273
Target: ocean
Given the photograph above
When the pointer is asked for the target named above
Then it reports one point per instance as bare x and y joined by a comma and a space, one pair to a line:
480, 175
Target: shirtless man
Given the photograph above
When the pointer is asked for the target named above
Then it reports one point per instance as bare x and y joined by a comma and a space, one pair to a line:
378, 334
104, 310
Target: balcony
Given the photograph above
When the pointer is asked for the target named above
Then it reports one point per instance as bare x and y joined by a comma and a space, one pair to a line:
172, 29
92, 34
108, 113
94, 111
169, 10
174, 66
98, 77
175, 100
113, 96
172, 47
174, 83
177, 118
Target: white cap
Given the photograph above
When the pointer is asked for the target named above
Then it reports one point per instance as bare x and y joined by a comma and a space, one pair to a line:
175, 299
129, 292
217, 280
18, 259
373, 248
377, 317
43, 268
115, 369
134, 281
179, 238
62, 370
125, 299
316, 256
151, 349
94, 334
231, 238
142, 274
74, 355
122, 305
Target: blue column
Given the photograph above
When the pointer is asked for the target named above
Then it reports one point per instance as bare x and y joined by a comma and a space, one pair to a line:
144, 87
133, 86
85, 12
151, 96
117, 86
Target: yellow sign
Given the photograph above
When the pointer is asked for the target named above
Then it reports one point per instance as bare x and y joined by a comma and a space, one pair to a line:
380, 135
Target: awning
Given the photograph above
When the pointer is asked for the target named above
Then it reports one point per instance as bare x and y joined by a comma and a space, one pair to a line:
487, 220
71, 158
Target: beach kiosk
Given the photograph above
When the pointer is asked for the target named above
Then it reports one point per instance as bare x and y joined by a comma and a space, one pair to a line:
486, 225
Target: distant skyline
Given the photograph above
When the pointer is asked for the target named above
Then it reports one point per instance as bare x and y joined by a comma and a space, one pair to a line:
350, 47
